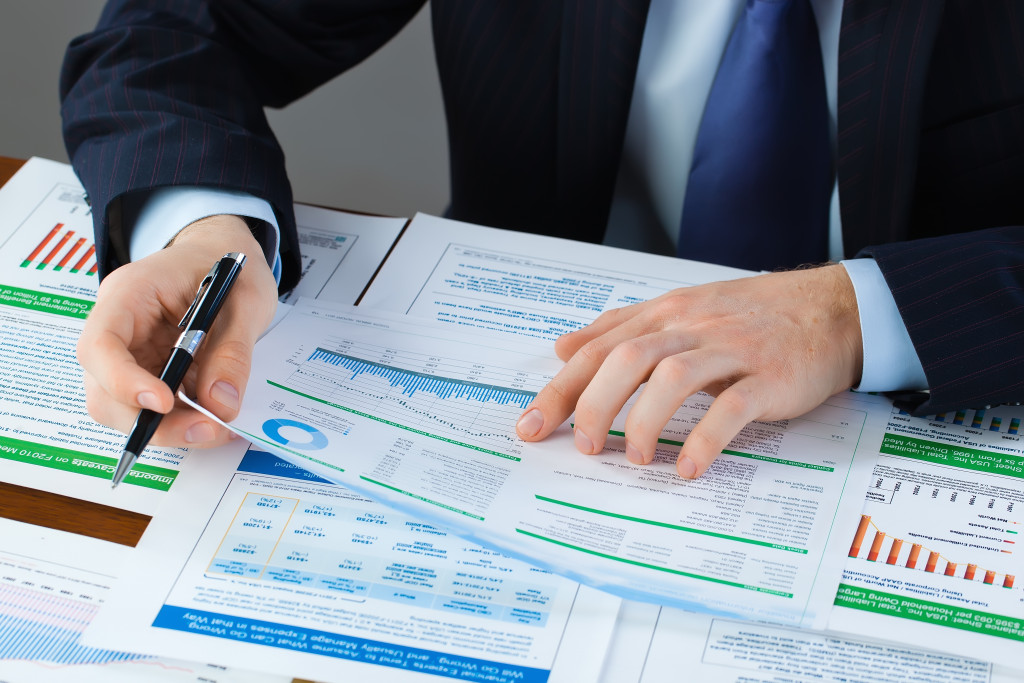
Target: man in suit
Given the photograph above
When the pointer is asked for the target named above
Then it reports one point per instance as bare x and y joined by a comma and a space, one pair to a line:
928, 140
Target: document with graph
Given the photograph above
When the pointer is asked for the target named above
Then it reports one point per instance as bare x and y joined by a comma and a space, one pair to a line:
936, 557
48, 285
287, 573
421, 415
47, 603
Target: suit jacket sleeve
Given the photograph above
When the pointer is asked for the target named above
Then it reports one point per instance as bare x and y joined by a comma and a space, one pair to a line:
172, 93
962, 299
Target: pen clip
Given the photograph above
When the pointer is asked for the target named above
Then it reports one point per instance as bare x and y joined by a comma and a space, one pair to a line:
204, 286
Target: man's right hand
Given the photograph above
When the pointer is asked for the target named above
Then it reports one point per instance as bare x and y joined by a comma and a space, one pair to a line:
129, 334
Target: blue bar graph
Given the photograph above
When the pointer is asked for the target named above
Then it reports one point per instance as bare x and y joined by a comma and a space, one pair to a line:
412, 382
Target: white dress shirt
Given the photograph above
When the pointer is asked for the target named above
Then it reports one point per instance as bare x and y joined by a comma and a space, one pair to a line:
683, 42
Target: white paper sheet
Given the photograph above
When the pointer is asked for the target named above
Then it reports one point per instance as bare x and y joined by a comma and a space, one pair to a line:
293, 575
340, 252
936, 559
46, 603
47, 287
483, 278
712, 650
421, 415
48, 441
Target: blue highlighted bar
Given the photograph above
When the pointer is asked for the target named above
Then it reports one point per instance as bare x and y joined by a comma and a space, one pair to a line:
412, 382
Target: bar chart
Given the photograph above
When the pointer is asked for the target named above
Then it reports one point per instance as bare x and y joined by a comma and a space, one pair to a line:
999, 419
58, 250
873, 544
435, 396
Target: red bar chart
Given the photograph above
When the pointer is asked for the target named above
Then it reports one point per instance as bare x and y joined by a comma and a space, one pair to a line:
58, 249
899, 552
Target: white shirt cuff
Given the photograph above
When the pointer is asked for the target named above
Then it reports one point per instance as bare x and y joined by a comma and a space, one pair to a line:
890, 360
167, 210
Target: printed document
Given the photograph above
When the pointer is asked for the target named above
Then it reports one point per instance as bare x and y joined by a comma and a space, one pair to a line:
475, 277
47, 288
934, 559
46, 603
714, 650
294, 575
421, 415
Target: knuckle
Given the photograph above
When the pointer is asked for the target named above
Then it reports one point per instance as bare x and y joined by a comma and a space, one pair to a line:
736, 401
628, 353
234, 357
592, 353
640, 427
704, 441
674, 370
669, 307
559, 392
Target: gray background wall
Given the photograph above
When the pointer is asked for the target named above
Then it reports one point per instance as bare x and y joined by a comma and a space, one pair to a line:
371, 140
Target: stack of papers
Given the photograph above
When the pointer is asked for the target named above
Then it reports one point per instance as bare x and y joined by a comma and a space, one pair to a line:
387, 524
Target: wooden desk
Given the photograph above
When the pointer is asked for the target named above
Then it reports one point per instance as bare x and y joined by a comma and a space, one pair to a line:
61, 512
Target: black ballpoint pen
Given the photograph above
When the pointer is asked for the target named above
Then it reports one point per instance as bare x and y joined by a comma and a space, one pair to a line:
195, 324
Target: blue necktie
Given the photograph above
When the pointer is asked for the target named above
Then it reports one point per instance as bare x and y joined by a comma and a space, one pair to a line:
761, 177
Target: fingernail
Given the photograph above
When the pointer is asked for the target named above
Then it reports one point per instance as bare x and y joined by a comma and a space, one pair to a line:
200, 432
583, 443
633, 454
234, 436
686, 468
148, 400
225, 394
530, 423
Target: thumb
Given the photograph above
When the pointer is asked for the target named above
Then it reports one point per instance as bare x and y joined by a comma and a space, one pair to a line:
226, 359
223, 375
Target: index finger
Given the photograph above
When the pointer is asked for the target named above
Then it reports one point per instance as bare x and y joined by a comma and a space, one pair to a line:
103, 353
557, 400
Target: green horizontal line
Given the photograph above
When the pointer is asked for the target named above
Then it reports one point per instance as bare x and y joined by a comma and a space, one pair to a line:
676, 527
678, 572
395, 424
766, 458
418, 497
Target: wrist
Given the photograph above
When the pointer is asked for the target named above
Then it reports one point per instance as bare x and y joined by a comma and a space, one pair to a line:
846, 317
214, 236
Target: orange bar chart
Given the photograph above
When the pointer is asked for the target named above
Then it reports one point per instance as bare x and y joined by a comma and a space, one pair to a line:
71, 252
876, 546
915, 552
42, 245
53, 252
894, 551
61, 252
80, 263
934, 564
858, 538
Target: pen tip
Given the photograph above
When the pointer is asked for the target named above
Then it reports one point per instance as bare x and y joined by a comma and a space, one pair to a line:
123, 465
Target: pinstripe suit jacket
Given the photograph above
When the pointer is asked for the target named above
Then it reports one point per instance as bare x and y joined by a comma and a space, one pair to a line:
536, 93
